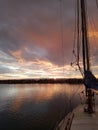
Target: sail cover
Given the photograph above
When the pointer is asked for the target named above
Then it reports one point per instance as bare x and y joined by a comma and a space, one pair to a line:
90, 80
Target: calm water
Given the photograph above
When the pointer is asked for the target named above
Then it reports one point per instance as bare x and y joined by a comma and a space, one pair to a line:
36, 107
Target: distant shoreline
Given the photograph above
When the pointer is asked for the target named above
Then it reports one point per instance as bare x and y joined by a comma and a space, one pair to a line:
42, 81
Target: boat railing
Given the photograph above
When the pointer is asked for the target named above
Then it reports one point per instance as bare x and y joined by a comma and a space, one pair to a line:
65, 124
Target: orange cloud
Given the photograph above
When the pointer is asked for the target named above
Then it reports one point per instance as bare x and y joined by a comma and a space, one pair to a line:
93, 34
18, 55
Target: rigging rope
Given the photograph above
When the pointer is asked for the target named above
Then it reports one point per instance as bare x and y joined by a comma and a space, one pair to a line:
78, 37
76, 54
93, 28
92, 24
74, 40
97, 3
76, 43
61, 30
78, 32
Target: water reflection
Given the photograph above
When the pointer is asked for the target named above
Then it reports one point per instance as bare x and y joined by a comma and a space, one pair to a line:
38, 106
36, 92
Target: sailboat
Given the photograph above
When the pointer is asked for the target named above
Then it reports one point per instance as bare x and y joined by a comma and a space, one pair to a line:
84, 116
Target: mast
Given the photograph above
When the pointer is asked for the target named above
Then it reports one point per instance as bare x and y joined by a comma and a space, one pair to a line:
86, 61
85, 50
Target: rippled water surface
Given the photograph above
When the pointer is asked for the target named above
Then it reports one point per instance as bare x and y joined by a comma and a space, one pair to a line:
36, 107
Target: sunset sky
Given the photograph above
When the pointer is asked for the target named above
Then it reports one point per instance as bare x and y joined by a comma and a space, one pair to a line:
31, 38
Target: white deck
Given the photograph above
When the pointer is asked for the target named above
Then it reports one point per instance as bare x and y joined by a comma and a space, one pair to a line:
84, 121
